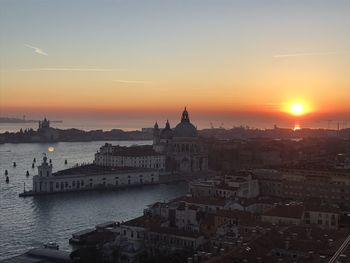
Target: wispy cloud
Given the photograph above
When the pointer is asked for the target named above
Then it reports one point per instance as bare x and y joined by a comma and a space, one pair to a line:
312, 54
72, 69
37, 50
132, 81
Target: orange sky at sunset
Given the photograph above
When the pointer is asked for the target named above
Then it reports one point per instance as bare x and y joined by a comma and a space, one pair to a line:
230, 61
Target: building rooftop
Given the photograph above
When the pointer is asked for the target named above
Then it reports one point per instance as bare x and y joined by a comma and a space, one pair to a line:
322, 208
287, 211
84, 232
175, 232
291, 244
145, 221
133, 151
202, 200
235, 214
92, 169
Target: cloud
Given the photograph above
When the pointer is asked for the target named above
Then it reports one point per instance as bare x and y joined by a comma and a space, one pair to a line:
37, 50
72, 69
311, 54
132, 81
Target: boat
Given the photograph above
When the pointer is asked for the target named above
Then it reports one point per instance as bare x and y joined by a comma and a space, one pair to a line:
7, 179
51, 245
27, 173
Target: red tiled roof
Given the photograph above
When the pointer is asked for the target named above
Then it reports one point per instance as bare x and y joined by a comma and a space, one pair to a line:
144, 221
203, 200
175, 232
287, 211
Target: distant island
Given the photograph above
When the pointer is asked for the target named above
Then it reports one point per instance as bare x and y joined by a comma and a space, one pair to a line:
23, 120
46, 133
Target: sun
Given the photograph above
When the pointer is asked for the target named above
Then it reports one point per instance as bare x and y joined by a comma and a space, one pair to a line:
297, 109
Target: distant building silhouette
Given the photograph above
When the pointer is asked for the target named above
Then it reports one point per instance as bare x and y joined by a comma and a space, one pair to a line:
44, 124
46, 132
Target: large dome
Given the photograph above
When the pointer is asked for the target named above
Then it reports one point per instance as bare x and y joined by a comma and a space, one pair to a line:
185, 128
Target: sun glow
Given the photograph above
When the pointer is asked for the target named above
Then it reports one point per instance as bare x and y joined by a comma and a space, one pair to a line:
297, 109
296, 127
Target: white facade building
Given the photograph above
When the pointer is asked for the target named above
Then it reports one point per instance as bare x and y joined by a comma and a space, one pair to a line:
241, 185
135, 156
89, 177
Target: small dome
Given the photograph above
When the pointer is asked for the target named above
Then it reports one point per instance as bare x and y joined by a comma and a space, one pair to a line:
167, 132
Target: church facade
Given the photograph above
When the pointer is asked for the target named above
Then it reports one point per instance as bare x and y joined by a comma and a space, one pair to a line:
184, 149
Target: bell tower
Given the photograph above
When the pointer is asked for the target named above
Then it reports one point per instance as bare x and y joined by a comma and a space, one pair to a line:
156, 134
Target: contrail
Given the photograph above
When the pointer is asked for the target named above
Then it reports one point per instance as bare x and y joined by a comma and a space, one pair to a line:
71, 69
311, 54
132, 81
37, 50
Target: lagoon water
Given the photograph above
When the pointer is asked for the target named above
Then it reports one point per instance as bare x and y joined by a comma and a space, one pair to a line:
29, 222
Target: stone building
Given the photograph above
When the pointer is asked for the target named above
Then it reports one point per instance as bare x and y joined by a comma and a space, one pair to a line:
184, 150
136, 156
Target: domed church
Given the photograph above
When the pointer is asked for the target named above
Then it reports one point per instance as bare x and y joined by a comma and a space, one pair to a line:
184, 150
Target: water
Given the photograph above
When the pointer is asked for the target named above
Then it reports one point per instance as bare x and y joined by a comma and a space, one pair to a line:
29, 222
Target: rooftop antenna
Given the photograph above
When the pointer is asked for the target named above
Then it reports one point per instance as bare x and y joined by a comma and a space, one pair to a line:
329, 124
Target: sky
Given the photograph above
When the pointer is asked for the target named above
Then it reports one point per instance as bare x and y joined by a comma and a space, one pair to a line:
131, 62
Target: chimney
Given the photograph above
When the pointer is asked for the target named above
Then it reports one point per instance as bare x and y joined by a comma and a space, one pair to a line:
286, 243
308, 233
311, 254
330, 242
